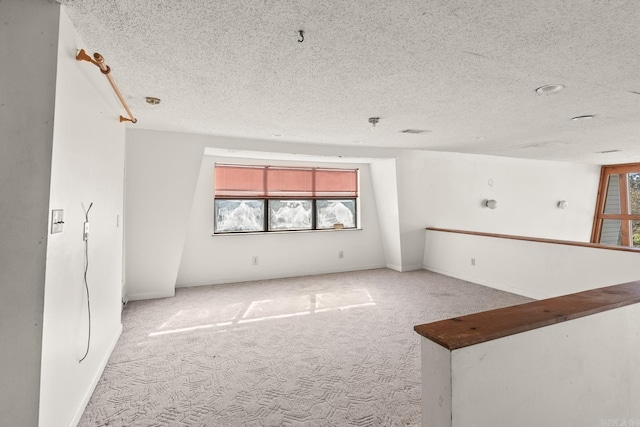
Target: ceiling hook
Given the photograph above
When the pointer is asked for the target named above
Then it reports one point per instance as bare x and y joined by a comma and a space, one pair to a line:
301, 39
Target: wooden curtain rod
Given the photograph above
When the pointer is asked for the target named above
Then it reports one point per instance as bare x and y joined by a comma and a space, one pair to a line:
98, 61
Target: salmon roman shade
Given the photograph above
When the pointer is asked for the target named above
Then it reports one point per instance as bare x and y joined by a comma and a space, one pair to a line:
336, 183
289, 182
239, 181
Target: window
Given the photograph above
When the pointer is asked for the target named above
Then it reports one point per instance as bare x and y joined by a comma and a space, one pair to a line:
617, 219
271, 198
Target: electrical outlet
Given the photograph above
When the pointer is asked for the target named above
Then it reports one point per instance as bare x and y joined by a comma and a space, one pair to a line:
85, 235
473, 262
340, 254
254, 260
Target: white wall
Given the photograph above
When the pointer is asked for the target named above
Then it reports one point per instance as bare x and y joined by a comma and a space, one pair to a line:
28, 34
385, 189
581, 372
412, 189
446, 190
87, 166
208, 259
537, 270
436, 384
162, 172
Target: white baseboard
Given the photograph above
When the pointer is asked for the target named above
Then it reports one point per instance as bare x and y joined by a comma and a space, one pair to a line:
394, 267
151, 295
415, 267
94, 381
401, 269
479, 281
247, 278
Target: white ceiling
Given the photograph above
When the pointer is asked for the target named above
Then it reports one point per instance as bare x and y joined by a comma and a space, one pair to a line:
466, 70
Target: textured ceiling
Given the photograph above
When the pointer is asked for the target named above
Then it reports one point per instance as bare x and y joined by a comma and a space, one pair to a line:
465, 70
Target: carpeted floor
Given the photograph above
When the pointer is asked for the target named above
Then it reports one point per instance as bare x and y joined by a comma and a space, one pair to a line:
327, 350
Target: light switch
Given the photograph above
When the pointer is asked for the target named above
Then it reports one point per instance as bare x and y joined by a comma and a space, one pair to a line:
57, 220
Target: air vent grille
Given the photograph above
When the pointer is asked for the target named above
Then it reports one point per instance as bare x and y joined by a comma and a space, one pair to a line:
414, 131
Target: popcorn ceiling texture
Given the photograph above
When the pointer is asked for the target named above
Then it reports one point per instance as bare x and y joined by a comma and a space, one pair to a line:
463, 69
326, 350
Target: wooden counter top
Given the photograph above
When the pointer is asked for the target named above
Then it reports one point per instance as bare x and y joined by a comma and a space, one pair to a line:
465, 331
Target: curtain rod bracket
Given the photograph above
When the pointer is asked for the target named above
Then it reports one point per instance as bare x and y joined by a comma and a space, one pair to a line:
82, 56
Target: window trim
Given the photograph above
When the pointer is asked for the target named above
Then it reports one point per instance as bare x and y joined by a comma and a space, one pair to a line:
625, 218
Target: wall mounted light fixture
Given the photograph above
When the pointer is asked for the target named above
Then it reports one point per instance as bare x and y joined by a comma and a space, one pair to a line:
491, 204
562, 204
374, 121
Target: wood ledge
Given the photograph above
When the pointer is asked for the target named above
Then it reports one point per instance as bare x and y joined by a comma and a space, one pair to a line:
536, 239
472, 329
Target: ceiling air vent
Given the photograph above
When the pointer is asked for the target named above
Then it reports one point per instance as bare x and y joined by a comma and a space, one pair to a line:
414, 131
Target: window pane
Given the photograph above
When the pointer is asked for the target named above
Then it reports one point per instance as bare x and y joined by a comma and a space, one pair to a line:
611, 232
330, 212
634, 193
612, 203
238, 215
290, 214
635, 233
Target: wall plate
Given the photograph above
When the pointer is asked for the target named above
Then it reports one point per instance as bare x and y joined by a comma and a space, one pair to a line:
57, 220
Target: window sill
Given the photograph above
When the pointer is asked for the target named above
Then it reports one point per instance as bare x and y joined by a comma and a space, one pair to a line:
263, 233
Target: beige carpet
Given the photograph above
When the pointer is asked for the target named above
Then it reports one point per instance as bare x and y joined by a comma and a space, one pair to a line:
327, 350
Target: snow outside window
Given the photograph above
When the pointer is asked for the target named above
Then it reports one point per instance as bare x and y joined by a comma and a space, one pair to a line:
331, 212
236, 216
290, 215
